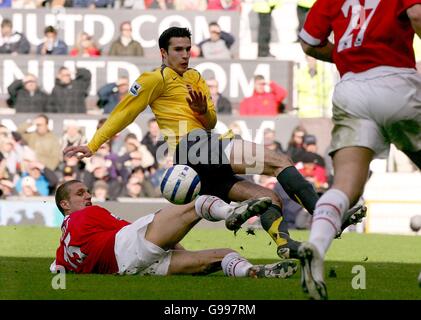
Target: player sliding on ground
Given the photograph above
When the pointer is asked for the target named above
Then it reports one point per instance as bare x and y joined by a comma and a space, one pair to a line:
96, 241
182, 104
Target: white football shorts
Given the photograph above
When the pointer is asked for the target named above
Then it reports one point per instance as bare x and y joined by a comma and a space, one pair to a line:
377, 107
135, 254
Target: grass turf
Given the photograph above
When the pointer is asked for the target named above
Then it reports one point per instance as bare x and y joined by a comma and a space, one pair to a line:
392, 265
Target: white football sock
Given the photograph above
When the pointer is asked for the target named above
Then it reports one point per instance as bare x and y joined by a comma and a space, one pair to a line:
327, 219
235, 265
212, 208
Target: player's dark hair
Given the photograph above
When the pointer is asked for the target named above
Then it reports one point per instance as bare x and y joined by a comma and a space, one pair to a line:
62, 193
50, 29
173, 32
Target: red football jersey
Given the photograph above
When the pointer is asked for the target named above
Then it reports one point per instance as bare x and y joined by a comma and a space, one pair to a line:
87, 242
367, 33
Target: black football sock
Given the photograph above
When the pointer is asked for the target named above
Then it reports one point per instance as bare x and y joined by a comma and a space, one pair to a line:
298, 188
273, 222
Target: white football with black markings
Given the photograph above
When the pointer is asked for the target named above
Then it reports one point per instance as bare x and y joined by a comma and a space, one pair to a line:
180, 184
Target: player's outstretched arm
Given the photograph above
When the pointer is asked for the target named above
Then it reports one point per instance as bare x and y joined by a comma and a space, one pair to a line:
80, 152
414, 14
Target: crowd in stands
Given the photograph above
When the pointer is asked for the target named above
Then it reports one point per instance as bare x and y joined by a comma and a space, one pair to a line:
129, 4
32, 162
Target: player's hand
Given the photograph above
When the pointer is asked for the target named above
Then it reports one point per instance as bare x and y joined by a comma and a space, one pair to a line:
197, 101
74, 150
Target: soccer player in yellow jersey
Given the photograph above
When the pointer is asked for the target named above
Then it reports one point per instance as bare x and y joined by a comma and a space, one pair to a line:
181, 102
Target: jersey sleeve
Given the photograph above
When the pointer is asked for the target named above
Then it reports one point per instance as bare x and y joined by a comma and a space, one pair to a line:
317, 26
143, 91
406, 4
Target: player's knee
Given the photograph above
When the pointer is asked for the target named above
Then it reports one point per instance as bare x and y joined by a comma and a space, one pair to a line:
275, 198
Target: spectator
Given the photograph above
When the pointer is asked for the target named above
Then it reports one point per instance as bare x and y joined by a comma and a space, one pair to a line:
135, 153
314, 85
12, 42
264, 10
112, 93
68, 174
27, 187
72, 167
26, 96
222, 104
160, 4
130, 4
100, 191
98, 169
85, 47
190, 5
267, 99
92, 4
218, 45
45, 179
7, 189
69, 95
26, 4
52, 45
4, 172
125, 45
44, 142
310, 167
147, 187
152, 140
135, 188
115, 163
270, 142
73, 135
295, 144
12, 153
231, 5
309, 146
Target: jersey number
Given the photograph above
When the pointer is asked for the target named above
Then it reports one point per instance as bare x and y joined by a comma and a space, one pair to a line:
72, 255
358, 21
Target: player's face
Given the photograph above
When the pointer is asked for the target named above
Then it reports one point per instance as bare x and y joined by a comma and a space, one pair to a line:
178, 55
79, 197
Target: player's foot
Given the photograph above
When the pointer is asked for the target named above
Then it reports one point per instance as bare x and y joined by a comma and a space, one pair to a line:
354, 215
283, 269
288, 250
245, 210
312, 281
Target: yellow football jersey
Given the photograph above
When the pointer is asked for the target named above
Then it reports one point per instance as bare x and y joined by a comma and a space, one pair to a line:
165, 91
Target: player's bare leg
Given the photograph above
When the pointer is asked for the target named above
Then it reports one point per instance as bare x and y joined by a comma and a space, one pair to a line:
172, 223
351, 167
208, 261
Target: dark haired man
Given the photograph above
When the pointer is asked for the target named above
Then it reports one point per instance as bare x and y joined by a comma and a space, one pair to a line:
52, 45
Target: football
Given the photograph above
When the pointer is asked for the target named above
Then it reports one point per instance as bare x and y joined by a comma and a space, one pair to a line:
415, 223
180, 184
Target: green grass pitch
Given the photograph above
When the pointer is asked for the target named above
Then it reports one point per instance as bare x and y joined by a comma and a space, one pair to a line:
391, 263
